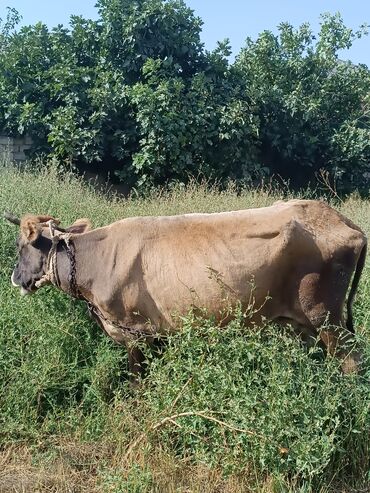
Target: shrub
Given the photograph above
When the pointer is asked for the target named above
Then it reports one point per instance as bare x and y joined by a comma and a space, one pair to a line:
136, 93
313, 107
238, 397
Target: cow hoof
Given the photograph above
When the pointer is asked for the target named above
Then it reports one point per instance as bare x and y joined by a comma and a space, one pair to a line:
351, 364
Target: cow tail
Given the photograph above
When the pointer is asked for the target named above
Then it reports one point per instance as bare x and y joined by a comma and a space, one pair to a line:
355, 281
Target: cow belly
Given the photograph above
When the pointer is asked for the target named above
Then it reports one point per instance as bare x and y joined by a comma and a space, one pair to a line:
278, 276
216, 279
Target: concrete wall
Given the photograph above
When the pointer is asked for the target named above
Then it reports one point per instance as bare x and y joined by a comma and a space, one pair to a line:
14, 147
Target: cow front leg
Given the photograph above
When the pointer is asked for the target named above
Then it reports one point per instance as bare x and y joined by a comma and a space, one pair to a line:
136, 360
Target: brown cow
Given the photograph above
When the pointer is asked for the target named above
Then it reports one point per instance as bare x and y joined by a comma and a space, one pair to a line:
294, 261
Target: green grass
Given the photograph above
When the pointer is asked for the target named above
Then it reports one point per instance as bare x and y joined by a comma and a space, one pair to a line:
223, 411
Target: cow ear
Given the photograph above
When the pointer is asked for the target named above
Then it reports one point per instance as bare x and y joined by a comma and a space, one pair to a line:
79, 226
31, 226
30, 229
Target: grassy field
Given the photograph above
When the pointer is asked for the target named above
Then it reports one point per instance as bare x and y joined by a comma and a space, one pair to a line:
220, 411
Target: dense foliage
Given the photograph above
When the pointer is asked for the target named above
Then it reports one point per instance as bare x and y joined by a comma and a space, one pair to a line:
137, 93
314, 110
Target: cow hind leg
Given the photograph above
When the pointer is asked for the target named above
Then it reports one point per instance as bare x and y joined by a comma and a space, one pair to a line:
322, 299
339, 342
136, 361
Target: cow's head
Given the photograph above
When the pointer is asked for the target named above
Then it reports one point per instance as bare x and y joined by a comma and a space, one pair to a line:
33, 244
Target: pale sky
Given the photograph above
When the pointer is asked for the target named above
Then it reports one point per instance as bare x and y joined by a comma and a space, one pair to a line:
235, 19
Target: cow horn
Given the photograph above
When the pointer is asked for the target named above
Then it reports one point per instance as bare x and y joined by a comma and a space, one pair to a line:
12, 218
59, 228
55, 226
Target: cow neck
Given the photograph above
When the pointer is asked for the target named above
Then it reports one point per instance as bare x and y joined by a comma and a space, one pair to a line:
60, 268
82, 263
73, 262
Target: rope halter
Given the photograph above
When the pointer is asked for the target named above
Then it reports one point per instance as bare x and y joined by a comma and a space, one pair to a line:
51, 276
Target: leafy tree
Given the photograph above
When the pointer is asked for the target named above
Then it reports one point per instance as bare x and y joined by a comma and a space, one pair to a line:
136, 93
135, 30
313, 108
203, 125
38, 74
8, 26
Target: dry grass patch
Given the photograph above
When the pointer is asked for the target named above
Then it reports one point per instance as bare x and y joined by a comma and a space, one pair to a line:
20, 473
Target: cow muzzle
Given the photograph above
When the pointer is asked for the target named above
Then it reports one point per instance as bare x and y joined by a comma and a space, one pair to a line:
13, 281
24, 292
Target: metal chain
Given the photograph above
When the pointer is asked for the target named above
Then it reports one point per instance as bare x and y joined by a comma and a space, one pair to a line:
52, 276
72, 277
117, 325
